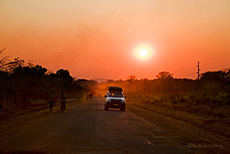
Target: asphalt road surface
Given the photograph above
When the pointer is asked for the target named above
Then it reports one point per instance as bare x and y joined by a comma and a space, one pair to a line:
87, 128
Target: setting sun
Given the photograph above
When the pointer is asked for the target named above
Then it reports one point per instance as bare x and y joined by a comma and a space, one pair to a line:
143, 52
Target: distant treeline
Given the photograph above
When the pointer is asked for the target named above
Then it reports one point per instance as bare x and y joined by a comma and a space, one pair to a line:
21, 84
211, 88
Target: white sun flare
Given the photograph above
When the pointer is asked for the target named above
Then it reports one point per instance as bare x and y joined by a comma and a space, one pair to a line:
143, 52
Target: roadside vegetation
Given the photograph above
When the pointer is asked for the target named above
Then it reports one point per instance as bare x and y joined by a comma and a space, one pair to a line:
212, 90
203, 103
26, 86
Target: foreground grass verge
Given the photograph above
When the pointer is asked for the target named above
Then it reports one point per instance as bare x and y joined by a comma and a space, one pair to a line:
189, 127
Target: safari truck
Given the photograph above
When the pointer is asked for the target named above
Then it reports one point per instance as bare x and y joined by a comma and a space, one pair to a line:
115, 98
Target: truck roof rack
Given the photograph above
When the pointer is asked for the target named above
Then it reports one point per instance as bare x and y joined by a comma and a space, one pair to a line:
115, 89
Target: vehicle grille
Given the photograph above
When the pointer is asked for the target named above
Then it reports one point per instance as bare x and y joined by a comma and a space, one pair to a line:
115, 101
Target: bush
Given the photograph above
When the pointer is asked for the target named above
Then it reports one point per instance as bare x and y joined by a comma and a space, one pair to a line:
165, 98
222, 98
174, 99
182, 99
192, 98
202, 99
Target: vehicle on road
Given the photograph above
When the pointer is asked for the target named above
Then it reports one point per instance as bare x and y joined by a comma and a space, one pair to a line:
115, 98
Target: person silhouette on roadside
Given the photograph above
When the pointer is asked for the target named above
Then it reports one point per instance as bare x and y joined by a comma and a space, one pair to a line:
90, 96
51, 104
51, 99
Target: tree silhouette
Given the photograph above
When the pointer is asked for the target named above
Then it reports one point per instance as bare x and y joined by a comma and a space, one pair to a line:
132, 78
164, 75
216, 75
65, 78
7, 65
26, 72
64, 74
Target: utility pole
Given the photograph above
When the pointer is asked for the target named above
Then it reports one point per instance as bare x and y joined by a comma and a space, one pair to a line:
198, 70
145, 86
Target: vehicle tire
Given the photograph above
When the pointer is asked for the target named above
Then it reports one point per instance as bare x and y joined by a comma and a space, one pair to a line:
106, 107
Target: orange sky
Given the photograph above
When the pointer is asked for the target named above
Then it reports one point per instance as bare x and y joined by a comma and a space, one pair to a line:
96, 38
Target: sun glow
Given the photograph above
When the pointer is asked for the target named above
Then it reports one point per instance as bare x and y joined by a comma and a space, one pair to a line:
143, 52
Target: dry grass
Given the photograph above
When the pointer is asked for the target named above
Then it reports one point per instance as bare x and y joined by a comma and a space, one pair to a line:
199, 123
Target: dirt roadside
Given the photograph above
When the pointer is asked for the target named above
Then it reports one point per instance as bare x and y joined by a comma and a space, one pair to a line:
203, 133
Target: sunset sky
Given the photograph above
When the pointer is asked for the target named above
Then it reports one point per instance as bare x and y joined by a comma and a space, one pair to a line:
100, 38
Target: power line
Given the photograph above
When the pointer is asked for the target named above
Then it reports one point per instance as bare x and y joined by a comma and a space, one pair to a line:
206, 66
216, 58
216, 62
216, 67
188, 70
193, 73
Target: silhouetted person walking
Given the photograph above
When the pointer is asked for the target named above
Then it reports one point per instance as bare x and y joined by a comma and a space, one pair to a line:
51, 99
90, 96
51, 104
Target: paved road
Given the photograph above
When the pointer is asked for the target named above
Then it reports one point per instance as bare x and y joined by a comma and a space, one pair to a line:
87, 128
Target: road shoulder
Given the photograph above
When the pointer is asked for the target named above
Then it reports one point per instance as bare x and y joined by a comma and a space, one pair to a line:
183, 126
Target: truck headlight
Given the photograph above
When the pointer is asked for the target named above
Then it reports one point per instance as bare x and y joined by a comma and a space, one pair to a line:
108, 100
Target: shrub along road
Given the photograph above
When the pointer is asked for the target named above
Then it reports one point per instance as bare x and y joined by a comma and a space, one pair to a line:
87, 128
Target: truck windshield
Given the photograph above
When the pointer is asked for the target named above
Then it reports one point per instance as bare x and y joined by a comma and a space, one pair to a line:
115, 94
